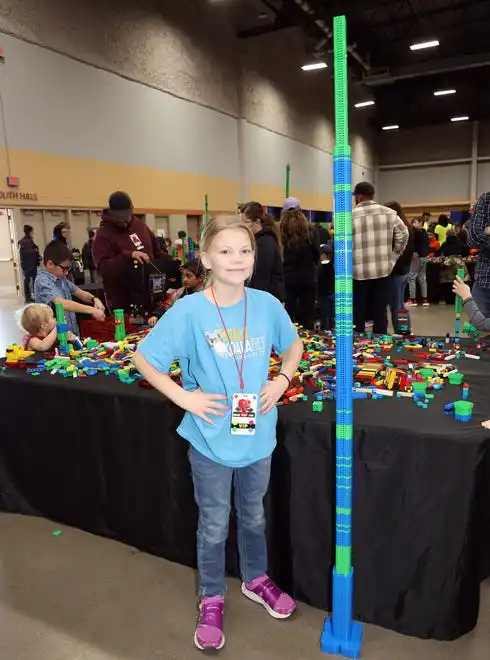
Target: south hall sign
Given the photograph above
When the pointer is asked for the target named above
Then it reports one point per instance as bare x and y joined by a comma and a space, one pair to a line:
16, 196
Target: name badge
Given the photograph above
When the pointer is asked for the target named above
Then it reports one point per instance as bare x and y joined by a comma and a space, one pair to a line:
136, 241
244, 414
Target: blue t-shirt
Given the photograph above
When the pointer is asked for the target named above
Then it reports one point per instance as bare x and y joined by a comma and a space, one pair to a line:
192, 332
48, 287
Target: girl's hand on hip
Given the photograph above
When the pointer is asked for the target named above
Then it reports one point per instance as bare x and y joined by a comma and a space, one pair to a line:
271, 393
204, 405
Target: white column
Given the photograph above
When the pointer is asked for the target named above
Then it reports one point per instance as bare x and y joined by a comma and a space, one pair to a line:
150, 221
474, 163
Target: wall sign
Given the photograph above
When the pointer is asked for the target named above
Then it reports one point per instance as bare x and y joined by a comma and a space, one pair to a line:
15, 195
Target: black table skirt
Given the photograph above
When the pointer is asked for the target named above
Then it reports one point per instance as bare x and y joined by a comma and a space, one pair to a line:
105, 457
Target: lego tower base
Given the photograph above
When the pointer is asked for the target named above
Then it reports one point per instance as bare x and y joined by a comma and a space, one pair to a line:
341, 635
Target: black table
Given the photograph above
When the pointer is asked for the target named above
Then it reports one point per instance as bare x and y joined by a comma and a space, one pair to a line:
105, 457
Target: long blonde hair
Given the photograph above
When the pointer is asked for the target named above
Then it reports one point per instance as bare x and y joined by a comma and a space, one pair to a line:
295, 229
215, 226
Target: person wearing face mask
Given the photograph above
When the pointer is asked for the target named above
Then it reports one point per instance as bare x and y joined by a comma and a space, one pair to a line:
121, 241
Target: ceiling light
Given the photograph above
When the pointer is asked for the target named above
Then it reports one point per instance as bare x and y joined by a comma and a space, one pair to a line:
444, 92
391, 127
313, 67
424, 44
462, 118
364, 104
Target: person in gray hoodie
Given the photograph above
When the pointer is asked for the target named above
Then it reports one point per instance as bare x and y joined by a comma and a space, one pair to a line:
479, 320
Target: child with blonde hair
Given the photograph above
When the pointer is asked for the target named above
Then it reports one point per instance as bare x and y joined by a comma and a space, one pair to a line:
222, 337
38, 321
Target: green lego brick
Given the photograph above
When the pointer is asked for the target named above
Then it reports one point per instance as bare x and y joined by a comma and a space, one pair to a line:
60, 312
343, 558
458, 303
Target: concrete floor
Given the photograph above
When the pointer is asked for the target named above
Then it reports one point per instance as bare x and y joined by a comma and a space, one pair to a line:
80, 597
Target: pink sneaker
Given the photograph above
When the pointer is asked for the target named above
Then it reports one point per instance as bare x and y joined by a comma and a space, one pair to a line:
209, 629
264, 591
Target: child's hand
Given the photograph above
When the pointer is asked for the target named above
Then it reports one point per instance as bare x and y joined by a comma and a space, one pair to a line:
71, 337
271, 393
202, 405
98, 314
461, 289
152, 321
98, 304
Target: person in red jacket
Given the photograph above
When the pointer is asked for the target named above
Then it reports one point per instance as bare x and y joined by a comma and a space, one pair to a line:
120, 241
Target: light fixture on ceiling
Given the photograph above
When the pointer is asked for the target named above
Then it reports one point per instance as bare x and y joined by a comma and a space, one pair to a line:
461, 118
424, 44
444, 92
364, 104
314, 66
390, 127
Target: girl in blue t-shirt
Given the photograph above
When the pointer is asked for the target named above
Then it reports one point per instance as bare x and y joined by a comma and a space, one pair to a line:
223, 338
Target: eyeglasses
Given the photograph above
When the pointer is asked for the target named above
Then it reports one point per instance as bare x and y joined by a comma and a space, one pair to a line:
65, 269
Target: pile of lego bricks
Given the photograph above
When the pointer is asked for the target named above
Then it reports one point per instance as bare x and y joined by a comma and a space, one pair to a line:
387, 366
383, 366
108, 358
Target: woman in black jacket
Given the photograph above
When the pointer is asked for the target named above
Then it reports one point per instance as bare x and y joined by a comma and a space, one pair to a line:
268, 273
301, 258
401, 270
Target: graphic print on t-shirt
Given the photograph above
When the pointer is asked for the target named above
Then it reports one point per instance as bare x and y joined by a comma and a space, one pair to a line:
218, 342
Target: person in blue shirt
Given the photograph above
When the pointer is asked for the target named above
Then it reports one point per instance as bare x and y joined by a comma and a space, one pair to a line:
52, 286
222, 338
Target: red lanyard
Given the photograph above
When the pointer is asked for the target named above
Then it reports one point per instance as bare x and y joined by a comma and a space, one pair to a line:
238, 368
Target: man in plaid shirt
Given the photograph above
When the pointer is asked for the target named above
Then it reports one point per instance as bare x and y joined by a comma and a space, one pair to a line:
479, 237
379, 237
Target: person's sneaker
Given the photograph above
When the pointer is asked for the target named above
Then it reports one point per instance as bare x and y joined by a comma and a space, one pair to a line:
264, 591
426, 303
209, 629
411, 303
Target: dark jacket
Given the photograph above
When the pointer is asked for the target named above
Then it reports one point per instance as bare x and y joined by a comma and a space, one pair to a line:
301, 261
268, 274
402, 265
112, 249
421, 242
29, 253
452, 247
87, 256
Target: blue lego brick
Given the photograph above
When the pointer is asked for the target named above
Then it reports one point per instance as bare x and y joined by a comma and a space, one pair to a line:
341, 635
463, 418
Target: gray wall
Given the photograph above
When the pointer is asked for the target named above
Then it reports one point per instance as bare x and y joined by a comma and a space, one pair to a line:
54, 104
182, 81
433, 165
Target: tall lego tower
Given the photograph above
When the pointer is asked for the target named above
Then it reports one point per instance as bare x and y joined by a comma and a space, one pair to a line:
341, 635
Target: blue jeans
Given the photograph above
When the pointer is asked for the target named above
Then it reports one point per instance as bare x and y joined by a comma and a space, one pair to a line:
212, 491
482, 298
397, 298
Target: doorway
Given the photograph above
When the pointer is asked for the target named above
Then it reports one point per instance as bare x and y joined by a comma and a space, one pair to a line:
9, 270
